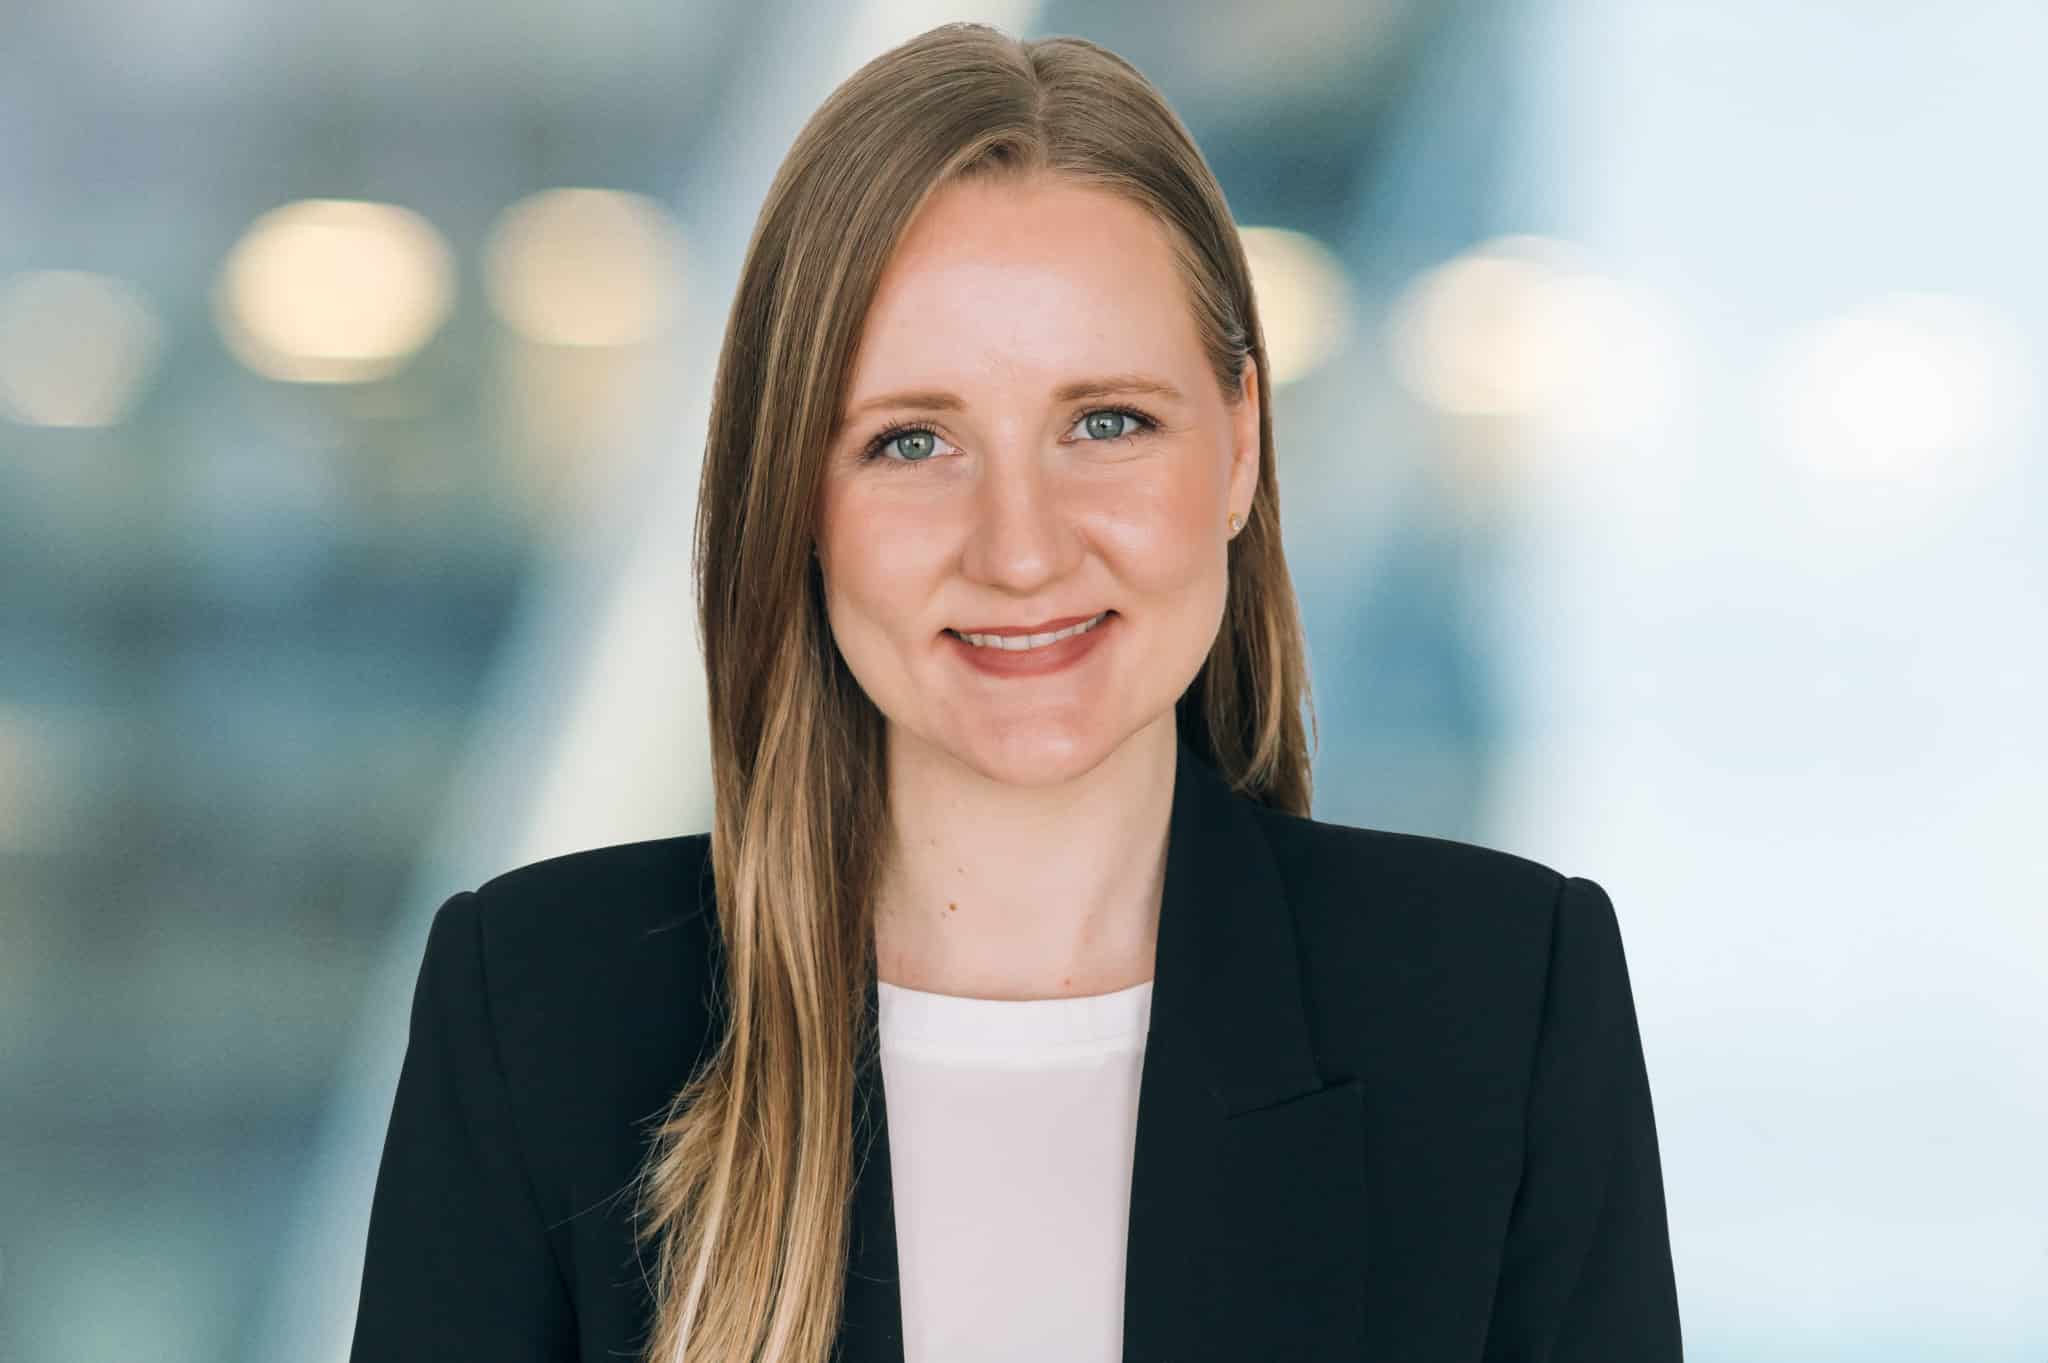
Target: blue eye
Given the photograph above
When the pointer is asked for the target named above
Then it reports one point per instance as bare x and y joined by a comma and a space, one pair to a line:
1104, 424
907, 435
921, 439
1108, 423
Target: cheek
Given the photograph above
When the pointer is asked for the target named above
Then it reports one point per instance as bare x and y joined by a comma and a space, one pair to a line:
875, 559
1165, 534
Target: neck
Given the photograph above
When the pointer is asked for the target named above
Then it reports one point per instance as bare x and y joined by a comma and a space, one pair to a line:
997, 891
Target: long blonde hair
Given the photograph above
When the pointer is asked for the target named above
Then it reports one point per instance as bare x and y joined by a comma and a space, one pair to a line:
748, 1180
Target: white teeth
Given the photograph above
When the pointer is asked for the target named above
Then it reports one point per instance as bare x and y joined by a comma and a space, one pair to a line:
1018, 643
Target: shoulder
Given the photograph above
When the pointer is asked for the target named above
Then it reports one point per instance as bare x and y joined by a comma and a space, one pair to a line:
594, 974
583, 910
1449, 946
570, 941
626, 885
1412, 882
1314, 846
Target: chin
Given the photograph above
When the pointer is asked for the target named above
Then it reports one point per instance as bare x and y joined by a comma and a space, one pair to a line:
1037, 756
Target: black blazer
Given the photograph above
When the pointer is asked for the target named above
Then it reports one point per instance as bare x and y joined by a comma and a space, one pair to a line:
1393, 1107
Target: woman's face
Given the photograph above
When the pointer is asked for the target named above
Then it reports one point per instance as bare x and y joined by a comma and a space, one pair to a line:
1032, 435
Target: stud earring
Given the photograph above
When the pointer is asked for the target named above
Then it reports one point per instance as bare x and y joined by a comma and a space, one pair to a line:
1236, 523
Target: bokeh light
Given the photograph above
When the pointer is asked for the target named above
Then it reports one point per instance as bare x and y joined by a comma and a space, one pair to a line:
334, 290
1525, 328
585, 267
75, 347
1304, 300
1901, 388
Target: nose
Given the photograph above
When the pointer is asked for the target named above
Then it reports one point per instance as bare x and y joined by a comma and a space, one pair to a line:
1019, 538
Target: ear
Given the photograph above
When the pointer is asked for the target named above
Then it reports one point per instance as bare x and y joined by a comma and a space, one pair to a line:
1244, 435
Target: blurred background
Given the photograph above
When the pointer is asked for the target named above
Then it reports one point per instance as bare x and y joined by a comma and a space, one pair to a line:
1661, 466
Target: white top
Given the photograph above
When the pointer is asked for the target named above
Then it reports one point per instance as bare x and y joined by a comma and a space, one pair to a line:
1011, 1130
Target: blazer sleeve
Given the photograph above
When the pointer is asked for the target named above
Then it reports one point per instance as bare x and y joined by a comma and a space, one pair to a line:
458, 1263
1586, 1271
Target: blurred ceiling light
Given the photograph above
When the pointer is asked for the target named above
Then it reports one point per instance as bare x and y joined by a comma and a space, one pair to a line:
1619, 365
1895, 387
1522, 327
75, 348
1462, 335
584, 267
1304, 299
334, 290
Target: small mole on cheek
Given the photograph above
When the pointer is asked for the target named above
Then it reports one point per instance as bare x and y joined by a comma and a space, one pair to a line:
951, 907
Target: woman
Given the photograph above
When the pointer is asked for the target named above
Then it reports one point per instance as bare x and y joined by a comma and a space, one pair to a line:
1012, 842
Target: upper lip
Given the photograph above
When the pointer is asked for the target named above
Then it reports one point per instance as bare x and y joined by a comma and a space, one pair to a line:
1012, 631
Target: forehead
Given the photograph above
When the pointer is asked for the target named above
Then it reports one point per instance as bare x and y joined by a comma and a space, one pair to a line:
1026, 279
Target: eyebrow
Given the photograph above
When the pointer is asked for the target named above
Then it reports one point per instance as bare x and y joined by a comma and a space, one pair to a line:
1107, 385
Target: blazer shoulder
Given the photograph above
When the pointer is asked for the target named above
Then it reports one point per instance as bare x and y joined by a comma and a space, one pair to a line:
1428, 957
638, 884
1481, 913
596, 973
586, 941
1317, 856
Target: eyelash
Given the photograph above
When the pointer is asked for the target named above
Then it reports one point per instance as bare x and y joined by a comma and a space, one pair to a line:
1146, 425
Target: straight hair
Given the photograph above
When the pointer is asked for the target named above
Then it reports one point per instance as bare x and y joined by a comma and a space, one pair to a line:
746, 1188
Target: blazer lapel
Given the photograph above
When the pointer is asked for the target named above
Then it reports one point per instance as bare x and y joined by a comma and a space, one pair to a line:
1247, 1218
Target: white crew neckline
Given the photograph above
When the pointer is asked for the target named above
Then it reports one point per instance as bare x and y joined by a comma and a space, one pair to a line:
955, 1027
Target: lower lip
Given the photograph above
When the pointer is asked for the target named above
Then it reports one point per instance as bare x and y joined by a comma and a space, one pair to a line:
1033, 662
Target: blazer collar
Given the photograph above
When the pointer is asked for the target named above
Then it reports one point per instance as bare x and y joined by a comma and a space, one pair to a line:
1247, 1217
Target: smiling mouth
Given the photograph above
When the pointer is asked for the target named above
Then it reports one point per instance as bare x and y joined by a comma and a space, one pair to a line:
1021, 643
